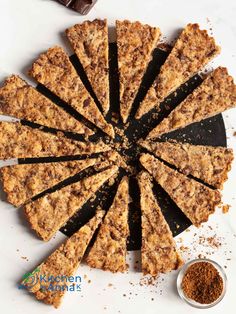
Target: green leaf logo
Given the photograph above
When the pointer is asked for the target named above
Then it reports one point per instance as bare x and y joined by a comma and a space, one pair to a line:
26, 276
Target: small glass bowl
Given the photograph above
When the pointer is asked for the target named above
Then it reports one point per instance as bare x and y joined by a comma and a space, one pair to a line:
192, 302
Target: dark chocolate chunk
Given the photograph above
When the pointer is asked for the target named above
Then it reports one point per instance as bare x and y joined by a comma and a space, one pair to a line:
83, 6
65, 2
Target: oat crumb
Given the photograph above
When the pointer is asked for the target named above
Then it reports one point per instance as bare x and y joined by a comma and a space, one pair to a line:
225, 208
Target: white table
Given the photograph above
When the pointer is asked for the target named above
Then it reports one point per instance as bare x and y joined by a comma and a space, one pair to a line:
30, 27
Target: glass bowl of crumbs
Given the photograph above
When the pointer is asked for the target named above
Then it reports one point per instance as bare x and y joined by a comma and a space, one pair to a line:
202, 283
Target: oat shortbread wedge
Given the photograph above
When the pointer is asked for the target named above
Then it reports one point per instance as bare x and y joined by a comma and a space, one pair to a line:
61, 265
54, 70
22, 182
191, 52
109, 249
19, 141
135, 43
90, 43
22, 101
49, 213
216, 94
207, 163
159, 252
196, 200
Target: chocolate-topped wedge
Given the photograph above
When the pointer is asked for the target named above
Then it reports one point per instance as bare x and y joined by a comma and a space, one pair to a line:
81, 6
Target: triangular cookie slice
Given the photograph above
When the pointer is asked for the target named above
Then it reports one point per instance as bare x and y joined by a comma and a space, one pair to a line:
49, 213
62, 265
216, 94
109, 249
19, 141
22, 182
54, 70
196, 200
22, 101
191, 52
208, 163
159, 252
90, 43
135, 42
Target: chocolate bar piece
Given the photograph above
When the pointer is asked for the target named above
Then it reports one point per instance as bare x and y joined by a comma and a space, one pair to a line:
81, 6
65, 2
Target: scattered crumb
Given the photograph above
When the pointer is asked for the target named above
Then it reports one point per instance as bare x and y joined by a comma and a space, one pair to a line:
25, 258
225, 208
183, 248
164, 46
148, 281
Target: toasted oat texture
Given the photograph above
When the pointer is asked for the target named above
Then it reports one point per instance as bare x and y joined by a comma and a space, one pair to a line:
49, 213
208, 163
54, 70
135, 43
22, 182
19, 141
110, 158
109, 249
20, 100
191, 52
216, 94
62, 262
90, 43
159, 253
196, 200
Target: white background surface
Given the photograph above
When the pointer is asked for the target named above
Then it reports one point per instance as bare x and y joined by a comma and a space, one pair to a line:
28, 27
